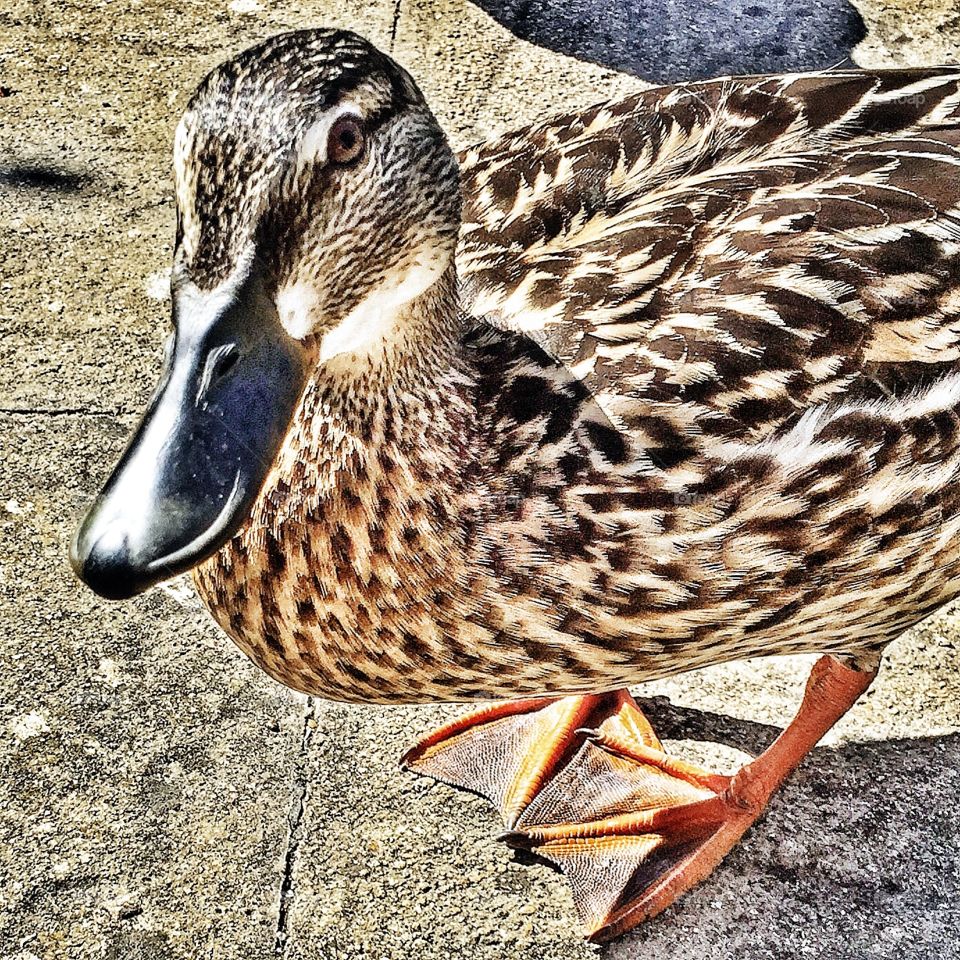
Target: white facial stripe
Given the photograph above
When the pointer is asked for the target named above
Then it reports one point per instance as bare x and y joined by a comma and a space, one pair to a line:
313, 146
295, 308
185, 180
370, 322
311, 149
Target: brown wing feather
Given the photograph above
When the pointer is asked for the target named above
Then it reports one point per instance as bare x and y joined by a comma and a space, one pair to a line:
713, 258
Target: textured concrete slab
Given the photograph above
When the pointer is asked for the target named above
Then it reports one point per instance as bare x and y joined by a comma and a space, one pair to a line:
159, 798
147, 773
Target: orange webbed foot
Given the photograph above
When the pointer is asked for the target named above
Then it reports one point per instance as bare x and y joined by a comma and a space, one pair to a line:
584, 783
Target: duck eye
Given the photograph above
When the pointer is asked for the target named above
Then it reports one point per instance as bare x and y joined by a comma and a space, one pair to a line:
346, 141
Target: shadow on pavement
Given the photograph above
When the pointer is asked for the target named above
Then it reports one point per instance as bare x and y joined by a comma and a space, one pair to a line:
33, 176
668, 40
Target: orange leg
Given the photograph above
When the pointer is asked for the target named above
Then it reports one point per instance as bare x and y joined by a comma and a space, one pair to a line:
585, 783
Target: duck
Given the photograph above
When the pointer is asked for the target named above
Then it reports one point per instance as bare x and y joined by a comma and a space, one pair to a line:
664, 383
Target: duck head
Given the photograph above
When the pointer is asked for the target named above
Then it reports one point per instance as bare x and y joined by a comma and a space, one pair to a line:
316, 194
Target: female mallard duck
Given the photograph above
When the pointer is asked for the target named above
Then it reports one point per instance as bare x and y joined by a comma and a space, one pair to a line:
695, 398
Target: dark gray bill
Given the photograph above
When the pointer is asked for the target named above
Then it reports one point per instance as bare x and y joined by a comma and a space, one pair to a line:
201, 454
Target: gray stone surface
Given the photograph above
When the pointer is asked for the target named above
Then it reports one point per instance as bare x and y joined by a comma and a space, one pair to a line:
159, 798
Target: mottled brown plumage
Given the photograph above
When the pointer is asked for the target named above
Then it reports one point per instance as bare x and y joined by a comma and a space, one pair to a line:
699, 403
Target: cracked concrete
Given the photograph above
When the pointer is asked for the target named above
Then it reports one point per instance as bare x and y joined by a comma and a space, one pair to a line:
295, 830
162, 800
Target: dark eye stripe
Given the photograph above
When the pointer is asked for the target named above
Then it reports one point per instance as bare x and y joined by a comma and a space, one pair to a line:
350, 80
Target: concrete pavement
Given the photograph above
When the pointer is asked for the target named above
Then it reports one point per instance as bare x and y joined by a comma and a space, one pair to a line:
160, 799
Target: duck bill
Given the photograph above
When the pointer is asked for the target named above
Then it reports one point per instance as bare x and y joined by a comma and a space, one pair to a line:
202, 452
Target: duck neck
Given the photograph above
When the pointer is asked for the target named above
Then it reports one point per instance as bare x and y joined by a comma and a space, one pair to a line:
381, 351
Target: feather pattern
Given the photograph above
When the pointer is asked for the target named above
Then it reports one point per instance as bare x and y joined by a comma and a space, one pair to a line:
701, 402
727, 253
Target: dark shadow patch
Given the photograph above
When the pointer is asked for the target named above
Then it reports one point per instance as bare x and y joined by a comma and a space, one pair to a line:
529, 858
35, 176
864, 836
674, 722
669, 40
